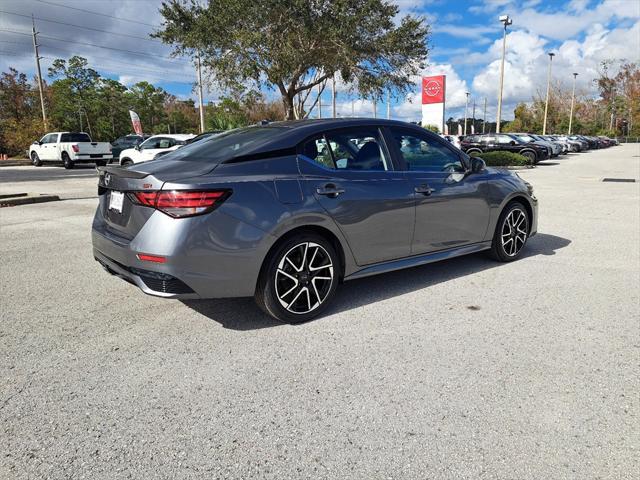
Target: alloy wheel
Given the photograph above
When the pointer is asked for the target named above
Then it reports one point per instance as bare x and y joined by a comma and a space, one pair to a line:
304, 277
514, 232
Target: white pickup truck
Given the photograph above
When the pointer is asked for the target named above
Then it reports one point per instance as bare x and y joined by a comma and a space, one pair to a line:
69, 148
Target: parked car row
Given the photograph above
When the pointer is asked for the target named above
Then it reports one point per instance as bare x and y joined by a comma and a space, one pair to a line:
532, 146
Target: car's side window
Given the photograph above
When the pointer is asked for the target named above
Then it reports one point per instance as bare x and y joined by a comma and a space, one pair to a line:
349, 149
165, 143
504, 139
426, 154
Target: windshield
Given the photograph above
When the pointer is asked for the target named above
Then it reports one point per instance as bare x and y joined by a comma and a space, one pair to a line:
224, 146
526, 138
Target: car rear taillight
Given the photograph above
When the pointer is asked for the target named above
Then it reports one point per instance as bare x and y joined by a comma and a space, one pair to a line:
75, 148
181, 203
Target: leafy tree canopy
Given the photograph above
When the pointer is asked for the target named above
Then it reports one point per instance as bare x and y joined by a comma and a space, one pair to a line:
294, 45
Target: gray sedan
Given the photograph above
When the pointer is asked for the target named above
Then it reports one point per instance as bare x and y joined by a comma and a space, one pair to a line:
287, 211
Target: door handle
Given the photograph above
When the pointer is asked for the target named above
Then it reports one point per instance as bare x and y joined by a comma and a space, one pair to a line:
424, 189
330, 190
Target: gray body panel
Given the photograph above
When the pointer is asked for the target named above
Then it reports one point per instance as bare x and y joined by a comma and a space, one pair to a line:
379, 223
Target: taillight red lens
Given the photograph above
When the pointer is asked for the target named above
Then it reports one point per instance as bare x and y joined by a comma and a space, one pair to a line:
178, 204
75, 148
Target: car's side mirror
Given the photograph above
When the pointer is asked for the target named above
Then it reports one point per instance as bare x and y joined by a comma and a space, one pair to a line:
512, 142
37, 143
477, 165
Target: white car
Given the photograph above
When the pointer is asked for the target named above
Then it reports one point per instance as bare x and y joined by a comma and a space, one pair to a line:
148, 149
69, 148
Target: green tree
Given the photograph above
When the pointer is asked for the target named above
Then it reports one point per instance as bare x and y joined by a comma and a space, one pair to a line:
148, 102
295, 45
74, 94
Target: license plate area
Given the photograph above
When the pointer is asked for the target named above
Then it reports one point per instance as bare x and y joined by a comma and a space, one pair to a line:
116, 201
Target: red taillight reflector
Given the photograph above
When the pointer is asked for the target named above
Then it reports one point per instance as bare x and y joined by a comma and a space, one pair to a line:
147, 199
151, 258
179, 203
75, 148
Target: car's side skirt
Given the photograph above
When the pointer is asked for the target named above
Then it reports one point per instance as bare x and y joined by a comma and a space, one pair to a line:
419, 260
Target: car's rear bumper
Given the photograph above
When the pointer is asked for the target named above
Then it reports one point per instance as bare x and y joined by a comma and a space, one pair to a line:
211, 256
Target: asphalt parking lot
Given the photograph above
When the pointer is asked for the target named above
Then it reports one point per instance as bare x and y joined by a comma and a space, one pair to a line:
464, 369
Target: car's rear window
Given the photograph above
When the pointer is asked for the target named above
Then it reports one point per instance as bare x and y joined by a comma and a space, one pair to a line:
227, 145
75, 137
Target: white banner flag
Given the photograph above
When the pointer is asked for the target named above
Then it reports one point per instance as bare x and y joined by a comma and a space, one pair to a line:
135, 121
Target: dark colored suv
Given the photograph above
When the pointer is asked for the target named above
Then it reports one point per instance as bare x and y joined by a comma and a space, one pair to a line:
477, 144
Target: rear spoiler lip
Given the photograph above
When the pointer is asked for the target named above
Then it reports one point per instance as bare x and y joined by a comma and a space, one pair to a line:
122, 172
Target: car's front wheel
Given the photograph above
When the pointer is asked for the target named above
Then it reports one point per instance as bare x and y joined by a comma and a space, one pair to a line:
299, 278
126, 161
511, 234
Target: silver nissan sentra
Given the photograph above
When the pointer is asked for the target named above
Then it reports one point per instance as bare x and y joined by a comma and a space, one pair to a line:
286, 211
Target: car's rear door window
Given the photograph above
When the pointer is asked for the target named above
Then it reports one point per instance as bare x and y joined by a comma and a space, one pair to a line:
348, 149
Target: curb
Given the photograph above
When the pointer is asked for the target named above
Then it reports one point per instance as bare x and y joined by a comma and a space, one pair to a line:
15, 162
26, 199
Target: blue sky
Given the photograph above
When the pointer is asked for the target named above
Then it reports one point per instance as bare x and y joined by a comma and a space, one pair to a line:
465, 45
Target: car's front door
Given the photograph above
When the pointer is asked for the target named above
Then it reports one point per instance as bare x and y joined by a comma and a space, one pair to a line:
452, 207
47, 147
351, 174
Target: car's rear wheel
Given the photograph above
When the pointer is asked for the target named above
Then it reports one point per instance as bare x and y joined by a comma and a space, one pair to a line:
66, 160
35, 160
126, 161
512, 233
298, 279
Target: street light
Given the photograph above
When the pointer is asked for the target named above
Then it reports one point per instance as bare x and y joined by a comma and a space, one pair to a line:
546, 104
573, 97
466, 105
506, 21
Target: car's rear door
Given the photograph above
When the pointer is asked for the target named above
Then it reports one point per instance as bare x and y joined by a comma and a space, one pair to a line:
350, 173
452, 205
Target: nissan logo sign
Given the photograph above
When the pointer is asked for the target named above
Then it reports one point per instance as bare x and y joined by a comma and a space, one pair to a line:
432, 88
107, 178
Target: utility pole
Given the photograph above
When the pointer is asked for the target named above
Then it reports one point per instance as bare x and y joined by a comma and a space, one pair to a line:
466, 106
388, 105
35, 50
333, 96
573, 98
506, 21
613, 105
484, 116
319, 101
200, 100
375, 108
546, 103
353, 107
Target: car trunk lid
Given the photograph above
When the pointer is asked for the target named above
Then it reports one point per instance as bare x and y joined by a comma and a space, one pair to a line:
122, 215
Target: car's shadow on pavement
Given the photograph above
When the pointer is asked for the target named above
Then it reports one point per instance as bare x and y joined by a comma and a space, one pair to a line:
243, 314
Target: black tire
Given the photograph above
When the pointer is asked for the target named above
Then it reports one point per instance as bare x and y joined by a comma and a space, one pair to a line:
498, 250
66, 160
276, 283
35, 160
474, 152
126, 161
530, 156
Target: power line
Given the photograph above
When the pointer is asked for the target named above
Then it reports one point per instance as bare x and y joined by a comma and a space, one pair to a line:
80, 26
96, 46
96, 13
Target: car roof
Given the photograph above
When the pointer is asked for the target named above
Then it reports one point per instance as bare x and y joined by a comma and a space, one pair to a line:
177, 136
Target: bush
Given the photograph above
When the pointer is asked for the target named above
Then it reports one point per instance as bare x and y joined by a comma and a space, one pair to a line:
502, 159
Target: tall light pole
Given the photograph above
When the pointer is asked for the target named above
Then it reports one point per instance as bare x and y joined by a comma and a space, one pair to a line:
333, 96
573, 97
466, 106
506, 21
546, 103
388, 104
484, 116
